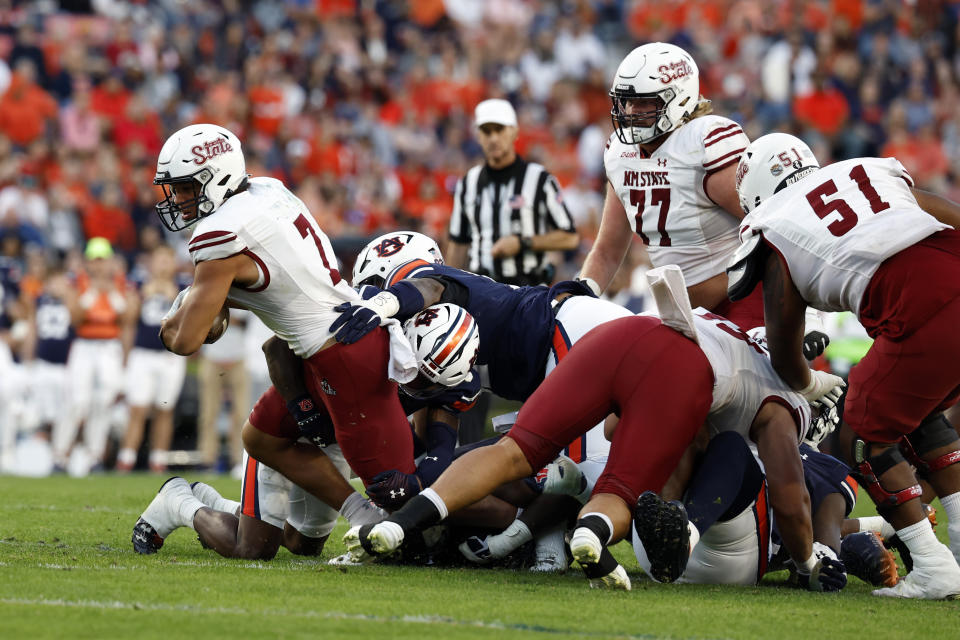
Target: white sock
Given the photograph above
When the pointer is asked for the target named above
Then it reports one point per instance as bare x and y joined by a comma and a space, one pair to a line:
127, 457
437, 501
694, 535
212, 498
187, 509
951, 504
920, 539
158, 457
359, 511
876, 524
509, 540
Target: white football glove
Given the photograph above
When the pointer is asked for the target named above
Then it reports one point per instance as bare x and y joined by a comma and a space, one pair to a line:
823, 387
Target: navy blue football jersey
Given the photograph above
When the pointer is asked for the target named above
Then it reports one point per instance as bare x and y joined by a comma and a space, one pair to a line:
54, 330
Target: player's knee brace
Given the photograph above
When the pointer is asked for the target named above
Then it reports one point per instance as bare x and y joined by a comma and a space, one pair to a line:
870, 467
933, 433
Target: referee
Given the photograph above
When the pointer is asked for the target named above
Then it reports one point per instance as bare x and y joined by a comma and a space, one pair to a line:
507, 212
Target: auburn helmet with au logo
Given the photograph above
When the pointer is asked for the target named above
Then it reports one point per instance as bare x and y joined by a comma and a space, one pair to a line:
384, 253
446, 341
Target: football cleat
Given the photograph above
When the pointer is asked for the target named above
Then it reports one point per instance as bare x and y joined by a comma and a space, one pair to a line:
161, 516
585, 546
616, 579
475, 550
368, 541
865, 557
345, 560
934, 577
662, 528
550, 552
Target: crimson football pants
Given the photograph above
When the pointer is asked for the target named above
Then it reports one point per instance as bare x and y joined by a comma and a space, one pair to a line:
659, 383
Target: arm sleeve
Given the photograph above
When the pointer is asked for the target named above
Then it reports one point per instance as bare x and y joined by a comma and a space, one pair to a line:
723, 144
459, 225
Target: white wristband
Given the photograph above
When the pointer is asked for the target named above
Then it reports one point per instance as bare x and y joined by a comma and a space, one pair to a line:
385, 304
806, 567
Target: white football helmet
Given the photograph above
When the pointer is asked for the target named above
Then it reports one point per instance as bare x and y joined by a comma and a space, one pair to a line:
655, 70
446, 341
206, 155
387, 252
769, 164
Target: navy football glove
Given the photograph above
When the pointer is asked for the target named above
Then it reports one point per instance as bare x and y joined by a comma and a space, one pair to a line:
390, 490
314, 425
827, 574
460, 398
814, 344
354, 322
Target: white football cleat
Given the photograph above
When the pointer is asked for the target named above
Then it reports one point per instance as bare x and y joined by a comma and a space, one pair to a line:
355, 550
476, 550
345, 560
161, 517
381, 539
616, 579
934, 577
585, 546
550, 552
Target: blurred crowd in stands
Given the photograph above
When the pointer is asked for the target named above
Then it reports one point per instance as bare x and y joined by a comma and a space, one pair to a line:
364, 107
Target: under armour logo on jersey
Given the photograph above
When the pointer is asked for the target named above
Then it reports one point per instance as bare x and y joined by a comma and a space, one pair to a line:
389, 247
661, 162
327, 388
425, 317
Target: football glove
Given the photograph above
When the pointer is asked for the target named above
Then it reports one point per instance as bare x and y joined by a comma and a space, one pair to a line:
460, 398
814, 344
314, 425
823, 386
357, 320
822, 571
391, 489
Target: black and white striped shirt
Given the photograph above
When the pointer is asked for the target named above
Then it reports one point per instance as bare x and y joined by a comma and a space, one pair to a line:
521, 199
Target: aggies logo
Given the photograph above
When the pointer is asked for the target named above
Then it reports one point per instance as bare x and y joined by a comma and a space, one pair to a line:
209, 150
389, 247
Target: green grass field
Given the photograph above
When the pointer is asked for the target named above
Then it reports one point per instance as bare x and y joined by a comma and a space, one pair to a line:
67, 570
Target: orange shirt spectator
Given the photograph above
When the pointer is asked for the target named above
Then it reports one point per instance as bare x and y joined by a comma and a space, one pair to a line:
824, 109
922, 155
25, 109
266, 106
110, 98
107, 218
138, 125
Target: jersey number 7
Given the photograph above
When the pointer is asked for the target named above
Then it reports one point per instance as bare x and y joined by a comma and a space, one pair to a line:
638, 198
848, 219
304, 227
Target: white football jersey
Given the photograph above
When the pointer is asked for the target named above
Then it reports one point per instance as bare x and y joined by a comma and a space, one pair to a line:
299, 283
665, 200
837, 225
744, 378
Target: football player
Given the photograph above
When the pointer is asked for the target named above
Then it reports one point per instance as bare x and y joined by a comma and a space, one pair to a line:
663, 384
856, 236
670, 179
256, 245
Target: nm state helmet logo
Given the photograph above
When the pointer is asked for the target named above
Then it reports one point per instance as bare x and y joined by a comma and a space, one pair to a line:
674, 71
389, 247
426, 317
209, 150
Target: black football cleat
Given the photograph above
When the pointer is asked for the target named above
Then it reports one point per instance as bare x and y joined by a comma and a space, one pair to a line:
662, 528
865, 557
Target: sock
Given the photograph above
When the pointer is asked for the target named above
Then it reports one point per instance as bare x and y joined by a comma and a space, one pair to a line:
550, 546
951, 504
606, 565
600, 524
187, 509
158, 458
509, 540
421, 511
876, 524
360, 511
127, 457
920, 540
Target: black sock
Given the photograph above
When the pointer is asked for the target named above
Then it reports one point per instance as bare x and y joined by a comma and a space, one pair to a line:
728, 478
598, 525
603, 567
418, 513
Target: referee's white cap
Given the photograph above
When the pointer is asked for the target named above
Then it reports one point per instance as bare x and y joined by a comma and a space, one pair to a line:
496, 111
